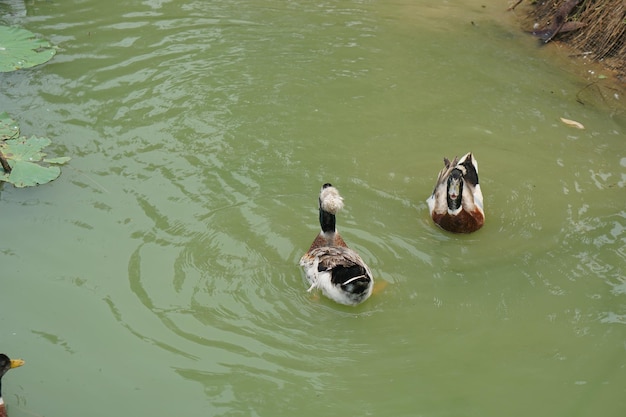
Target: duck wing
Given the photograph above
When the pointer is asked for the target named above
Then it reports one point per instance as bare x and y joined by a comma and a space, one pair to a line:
332, 256
472, 195
437, 202
470, 176
344, 263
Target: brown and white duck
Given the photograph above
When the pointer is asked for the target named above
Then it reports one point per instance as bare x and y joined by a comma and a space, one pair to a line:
456, 203
329, 264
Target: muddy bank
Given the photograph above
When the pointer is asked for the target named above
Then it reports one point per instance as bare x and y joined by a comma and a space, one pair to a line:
592, 29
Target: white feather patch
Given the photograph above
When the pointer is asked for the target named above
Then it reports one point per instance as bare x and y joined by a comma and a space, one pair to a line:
330, 200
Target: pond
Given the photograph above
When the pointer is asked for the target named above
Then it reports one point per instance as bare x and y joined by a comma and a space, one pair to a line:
158, 275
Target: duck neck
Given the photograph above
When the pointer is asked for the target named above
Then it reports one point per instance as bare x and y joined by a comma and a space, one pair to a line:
327, 221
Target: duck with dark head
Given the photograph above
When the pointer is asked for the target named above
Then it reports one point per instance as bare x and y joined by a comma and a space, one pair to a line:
456, 204
5, 364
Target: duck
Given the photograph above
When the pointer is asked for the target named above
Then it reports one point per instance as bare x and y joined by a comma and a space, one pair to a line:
5, 364
456, 204
329, 264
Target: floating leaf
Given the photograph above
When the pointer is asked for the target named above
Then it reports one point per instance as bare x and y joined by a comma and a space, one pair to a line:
19, 48
22, 155
8, 127
25, 149
25, 174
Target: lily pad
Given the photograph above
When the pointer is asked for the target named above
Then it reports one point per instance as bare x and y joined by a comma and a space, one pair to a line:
26, 174
23, 148
20, 48
8, 127
21, 157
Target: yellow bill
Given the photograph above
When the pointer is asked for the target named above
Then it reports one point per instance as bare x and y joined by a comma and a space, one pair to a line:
16, 362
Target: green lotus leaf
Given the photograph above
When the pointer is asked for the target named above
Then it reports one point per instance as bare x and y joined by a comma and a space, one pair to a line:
8, 127
20, 48
22, 154
25, 149
25, 174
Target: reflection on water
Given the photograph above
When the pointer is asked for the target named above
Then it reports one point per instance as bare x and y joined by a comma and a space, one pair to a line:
200, 133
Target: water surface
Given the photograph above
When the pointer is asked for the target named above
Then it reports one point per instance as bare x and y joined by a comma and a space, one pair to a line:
158, 275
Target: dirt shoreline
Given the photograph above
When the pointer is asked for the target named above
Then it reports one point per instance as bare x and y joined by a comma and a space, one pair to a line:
589, 33
593, 29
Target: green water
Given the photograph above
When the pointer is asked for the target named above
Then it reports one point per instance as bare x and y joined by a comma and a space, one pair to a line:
158, 275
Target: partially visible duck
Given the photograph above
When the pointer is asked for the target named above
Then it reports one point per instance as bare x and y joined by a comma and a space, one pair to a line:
5, 364
329, 264
456, 204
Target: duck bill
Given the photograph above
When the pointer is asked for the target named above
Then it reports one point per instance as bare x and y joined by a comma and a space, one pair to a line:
15, 363
453, 190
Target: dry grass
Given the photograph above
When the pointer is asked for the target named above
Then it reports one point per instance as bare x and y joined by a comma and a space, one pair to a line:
603, 36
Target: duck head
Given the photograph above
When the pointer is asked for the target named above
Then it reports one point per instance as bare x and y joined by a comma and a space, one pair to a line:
330, 203
455, 189
6, 363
